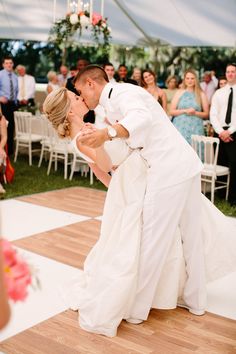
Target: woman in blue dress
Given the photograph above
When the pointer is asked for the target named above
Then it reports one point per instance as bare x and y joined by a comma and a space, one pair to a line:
189, 107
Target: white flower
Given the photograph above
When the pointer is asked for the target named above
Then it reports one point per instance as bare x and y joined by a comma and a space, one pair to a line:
84, 21
74, 19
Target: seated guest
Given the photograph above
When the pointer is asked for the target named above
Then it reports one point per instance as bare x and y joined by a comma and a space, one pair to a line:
3, 141
148, 82
26, 84
122, 75
52, 81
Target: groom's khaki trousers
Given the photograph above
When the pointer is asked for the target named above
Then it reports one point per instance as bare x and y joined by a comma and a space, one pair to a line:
165, 210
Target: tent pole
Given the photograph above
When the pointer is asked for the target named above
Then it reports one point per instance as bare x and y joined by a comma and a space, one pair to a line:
54, 10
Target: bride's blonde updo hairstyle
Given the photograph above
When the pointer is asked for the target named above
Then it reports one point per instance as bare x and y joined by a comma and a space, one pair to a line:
56, 107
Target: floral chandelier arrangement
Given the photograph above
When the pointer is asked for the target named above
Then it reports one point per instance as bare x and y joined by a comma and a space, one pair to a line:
80, 17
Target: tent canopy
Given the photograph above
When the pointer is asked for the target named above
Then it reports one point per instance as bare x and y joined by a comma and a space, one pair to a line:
133, 22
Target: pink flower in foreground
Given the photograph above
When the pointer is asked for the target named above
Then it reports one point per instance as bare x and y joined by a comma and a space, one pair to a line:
96, 18
17, 273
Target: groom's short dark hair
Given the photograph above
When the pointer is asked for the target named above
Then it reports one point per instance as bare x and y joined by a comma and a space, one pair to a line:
93, 71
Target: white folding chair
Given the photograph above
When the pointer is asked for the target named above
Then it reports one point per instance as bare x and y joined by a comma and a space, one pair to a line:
83, 166
23, 134
45, 141
207, 149
60, 150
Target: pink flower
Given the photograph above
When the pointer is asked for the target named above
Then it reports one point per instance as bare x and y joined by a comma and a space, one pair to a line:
17, 273
96, 18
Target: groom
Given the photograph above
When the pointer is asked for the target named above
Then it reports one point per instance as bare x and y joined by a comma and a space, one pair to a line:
173, 193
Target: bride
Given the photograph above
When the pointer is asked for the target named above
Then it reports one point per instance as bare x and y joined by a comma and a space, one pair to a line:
105, 290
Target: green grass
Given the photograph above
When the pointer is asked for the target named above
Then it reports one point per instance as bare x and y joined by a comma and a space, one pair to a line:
31, 179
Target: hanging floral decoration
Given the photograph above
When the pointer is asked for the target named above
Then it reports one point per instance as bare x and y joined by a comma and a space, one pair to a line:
64, 29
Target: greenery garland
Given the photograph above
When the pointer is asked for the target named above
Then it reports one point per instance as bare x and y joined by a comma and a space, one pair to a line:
64, 29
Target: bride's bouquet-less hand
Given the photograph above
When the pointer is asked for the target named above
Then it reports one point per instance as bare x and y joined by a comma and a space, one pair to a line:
19, 275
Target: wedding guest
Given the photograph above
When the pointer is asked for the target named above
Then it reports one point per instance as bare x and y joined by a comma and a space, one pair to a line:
52, 81
110, 71
189, 107
8, 98
148, 82
4, 305
3, 142
63, 76
122, 75
222, 81
223, 120
26, 84
171, 88
136, 75
209, 84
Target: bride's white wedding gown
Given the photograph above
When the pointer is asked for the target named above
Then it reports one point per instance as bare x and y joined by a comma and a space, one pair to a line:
104, 292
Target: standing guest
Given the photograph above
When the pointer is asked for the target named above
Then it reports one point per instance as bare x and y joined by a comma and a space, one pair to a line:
81, 64
222, 81
8, 98
4, 305
52, 81
136, 75
3, 142
122, 75
110, 71
209, 84
26, 84
148, 81
69, 83
63, 76
189, 107
170, 91
223, 120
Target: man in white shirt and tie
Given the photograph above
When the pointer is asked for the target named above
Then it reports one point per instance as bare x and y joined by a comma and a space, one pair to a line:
26, 84
223, 120
173, 192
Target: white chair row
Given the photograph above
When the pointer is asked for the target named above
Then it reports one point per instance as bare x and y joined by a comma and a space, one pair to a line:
207, 149
52, 147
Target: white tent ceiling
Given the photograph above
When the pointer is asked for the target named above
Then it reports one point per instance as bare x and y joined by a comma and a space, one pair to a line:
177, 22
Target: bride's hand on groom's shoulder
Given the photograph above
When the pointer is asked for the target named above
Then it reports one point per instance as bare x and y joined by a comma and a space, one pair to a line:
87, 129
93, 138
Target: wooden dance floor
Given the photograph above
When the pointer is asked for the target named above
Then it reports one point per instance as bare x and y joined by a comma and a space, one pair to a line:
43, 325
